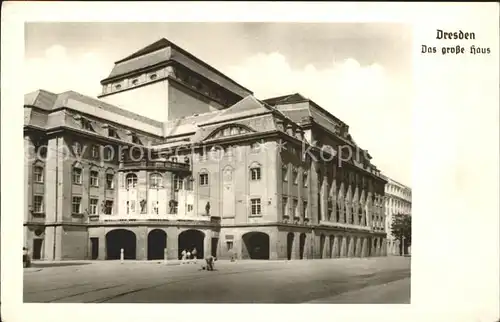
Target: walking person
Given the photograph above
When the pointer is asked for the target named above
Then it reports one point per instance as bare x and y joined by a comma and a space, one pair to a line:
188, 255
184, 254
194, 253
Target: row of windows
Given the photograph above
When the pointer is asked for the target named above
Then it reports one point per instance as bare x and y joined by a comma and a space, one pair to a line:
76, 205
77, 178
94, 151
156, 182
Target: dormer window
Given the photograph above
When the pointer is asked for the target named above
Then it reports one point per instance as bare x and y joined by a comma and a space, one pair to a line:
112, 133
86, 124
135, 82
153, 76
135, 139
118, 86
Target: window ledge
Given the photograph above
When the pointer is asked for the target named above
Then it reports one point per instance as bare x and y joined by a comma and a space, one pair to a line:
253, 216
38, 214
77, 214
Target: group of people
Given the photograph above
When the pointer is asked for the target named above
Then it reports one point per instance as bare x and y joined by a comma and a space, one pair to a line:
189, 255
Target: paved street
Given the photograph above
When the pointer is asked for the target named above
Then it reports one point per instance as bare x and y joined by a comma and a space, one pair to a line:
359, 280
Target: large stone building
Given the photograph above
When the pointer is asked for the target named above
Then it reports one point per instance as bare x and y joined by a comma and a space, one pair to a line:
397, 201
175, 155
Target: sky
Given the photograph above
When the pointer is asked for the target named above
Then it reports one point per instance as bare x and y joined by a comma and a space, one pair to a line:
361, 73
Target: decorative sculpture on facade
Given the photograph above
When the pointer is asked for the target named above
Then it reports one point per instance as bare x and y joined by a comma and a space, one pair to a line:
207, 208
143, 206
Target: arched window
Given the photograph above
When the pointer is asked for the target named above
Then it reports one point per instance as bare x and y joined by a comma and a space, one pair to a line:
155, 181
77, 173
255, 171
131, 180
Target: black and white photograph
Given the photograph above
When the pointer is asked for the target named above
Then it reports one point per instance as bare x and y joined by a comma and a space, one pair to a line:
231, 155
161, 173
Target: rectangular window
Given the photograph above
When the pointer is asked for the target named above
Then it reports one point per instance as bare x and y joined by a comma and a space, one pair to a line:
284, 202
110, 181
94, 178
304, 208
255, 174
189, 208
95, 151
93, 206
77, 205
77, 176
203, 179
305, 179
255, 204
38, 174
178, 183
37, 204
108, 207
229, 245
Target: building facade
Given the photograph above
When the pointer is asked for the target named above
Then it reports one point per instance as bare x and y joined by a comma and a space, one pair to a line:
397, 201
174, 155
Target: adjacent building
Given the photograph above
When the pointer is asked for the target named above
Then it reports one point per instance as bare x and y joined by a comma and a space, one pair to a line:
175, 155
397, 201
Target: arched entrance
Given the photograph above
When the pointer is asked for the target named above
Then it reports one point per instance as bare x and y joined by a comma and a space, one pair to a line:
189, 240
157, 242
322, 246
302, 245
118, 239
289, 245
255, 245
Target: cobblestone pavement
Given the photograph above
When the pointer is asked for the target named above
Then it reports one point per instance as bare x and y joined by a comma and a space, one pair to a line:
359, 280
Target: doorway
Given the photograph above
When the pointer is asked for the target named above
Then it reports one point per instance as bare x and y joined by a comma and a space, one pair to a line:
37, 248
94, 247
215, 243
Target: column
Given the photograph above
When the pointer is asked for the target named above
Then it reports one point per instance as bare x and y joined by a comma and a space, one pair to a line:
364, 248
350, 249
273, 245
359, 250
334, 250
172, 243
207, 244
102, 248
141, 248
326, 248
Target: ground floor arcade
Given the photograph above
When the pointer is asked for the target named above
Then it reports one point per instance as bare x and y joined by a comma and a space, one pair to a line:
154, 242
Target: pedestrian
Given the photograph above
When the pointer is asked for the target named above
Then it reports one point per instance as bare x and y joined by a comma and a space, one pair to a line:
194, 253
188, 255
210, 262
183, 256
